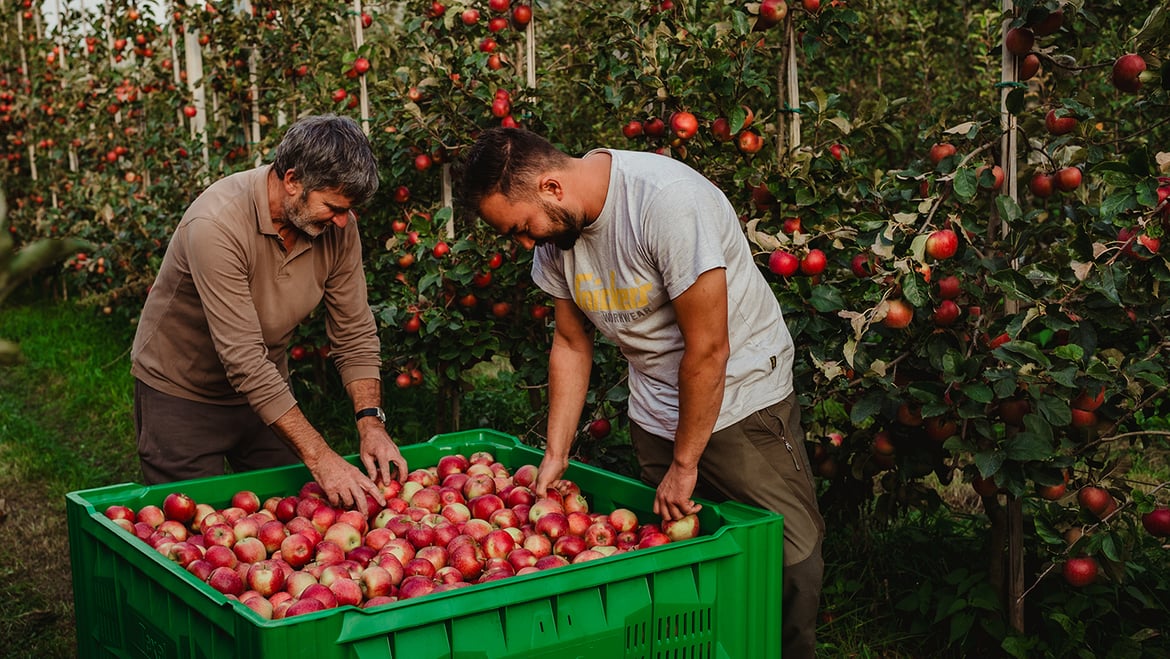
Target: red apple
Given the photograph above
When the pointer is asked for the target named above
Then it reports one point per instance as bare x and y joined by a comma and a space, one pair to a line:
1068, 179
946, 313
898, 314
783, 263
1096, 500
1157, 522
632, 129
813, 263
1127, 71
1019, 41
599, 428
684, 125
1080, 571
179, 507
942, 244
771, 13
1042, 185
521, 15
749, 141
941, 151
1059, 124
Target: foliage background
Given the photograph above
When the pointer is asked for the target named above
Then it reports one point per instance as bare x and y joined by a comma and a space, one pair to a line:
98, 145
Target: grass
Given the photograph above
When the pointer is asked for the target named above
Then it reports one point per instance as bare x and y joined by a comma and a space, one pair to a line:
64, 425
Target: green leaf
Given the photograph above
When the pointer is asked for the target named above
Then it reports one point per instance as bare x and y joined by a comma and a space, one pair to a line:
966, 185
1069, 351
1009, 209
1026, 446
867, 407
1013, 284
978, 392
989, 463
915, 290
826, 299
1015, 101
1109, 548
1055, 410
1117, 204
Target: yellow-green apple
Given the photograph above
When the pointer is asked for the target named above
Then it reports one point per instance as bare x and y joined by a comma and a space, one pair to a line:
683, 528
623, 519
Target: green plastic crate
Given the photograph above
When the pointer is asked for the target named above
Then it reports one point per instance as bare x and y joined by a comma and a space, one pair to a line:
716, 596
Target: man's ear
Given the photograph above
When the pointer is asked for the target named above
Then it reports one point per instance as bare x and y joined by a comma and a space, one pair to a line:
550, 185
291, 182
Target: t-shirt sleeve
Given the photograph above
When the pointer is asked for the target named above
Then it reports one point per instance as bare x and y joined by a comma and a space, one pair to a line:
548, 271
681, 231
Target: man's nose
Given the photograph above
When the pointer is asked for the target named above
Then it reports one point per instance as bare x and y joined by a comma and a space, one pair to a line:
342, 219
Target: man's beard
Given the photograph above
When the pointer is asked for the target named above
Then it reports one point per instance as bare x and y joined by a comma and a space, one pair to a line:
296, 213
568, 227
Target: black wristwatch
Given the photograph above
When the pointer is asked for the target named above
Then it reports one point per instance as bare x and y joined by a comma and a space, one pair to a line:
371, 411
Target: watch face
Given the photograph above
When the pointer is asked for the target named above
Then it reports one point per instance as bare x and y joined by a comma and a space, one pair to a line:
380, 414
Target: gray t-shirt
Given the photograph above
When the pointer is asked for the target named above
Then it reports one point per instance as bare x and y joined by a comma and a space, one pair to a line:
662, 226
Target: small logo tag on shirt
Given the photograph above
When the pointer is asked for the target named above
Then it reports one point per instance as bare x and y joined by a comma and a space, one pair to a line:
773, 360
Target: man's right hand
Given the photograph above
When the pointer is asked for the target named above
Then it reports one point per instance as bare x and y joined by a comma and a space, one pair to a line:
345, 485
549, 475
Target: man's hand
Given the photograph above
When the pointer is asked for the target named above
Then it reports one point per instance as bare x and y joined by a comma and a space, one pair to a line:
380, 455
549, 475
345, 485
673, 499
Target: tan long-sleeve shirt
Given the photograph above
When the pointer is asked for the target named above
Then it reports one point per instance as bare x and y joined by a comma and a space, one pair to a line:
221, 313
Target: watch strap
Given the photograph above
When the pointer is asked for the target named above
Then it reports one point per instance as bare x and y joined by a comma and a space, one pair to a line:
370, 411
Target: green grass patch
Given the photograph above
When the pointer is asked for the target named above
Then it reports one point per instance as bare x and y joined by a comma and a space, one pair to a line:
65, 409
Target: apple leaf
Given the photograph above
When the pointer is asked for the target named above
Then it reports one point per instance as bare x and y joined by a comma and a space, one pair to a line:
966, 184
978, 392
867, 407
989, 462
1054, 410
1015, 101
1026, 446
826, 299
1117, 204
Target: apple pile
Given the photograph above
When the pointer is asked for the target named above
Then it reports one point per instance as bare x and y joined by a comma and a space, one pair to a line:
461, 522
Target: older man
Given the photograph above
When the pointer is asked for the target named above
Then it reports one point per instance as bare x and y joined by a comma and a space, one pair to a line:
253, 256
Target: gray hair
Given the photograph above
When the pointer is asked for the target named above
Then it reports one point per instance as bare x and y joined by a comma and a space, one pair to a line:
329, 152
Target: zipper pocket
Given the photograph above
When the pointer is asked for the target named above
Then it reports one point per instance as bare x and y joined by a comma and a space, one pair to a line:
792, 452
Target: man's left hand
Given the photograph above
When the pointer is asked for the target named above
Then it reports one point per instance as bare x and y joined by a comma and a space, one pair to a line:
673, 497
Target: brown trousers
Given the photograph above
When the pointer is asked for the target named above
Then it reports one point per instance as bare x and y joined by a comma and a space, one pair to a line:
762, 461
180, 439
